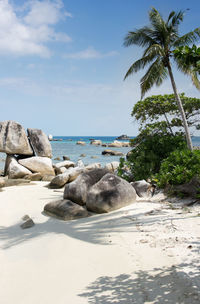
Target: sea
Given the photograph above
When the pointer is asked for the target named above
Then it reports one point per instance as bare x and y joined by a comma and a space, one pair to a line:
67, 146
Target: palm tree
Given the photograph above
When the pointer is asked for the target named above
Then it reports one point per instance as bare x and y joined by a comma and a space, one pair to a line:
159, 40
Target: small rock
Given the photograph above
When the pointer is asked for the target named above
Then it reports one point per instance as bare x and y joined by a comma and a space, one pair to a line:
83, 155
25, 217
57, 158
82, 143
96, 142
65, 157
112, 153
27, 224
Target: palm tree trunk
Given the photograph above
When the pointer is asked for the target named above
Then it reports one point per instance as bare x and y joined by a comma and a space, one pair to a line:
180, 106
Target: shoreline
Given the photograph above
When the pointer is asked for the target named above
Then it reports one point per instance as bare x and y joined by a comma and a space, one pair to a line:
144, 253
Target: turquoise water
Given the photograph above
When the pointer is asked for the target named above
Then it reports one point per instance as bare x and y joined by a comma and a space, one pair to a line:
69, 148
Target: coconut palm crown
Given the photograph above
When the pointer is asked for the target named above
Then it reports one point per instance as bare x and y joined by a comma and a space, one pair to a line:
159, 39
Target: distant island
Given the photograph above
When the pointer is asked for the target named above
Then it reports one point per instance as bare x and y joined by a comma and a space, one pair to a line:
123, 137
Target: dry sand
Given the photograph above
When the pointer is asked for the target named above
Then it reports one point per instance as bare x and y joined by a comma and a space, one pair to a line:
143, 253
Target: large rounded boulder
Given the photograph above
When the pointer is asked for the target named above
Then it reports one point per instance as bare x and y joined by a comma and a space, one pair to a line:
110, 193
78, 189
65, 210
142, 188
14, 170
13, 139
39, 164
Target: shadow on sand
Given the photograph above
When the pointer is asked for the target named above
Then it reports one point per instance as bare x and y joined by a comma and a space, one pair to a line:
160, 286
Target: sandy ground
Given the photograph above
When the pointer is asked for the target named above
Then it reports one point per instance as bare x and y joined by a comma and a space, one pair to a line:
147, 252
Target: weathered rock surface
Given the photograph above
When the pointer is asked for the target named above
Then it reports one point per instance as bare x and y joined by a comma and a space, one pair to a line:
142, 188
112, 153
66, 163
34, 177
82, 143
2, 182
60, 170
93, 166
125, 144
112, 166
116, 144
65, 157
47, 178
78, 189
13, 139
13, 169
80, 164
60, 180
65, 210
96, 142
39, 164
27, 224
39, 142
110, 193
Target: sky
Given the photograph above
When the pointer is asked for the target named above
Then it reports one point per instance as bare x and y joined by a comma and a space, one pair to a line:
62, 63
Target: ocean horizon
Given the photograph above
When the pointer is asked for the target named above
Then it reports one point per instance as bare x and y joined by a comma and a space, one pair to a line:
67, 146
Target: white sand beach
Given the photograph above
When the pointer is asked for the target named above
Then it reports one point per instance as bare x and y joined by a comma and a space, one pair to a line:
147, 252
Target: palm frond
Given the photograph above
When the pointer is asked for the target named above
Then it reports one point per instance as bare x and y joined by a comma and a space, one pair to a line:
170, 16
155, 75
141, 37
188, 70
177, 18
160, 28
195, 79
155, 17
188, 38
138, 65
155, 49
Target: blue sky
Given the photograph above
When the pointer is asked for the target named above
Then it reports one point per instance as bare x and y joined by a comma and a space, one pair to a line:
62, 63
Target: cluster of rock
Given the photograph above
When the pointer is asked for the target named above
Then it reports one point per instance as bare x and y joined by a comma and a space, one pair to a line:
97, 142
28, 155
95, 190
67, 171
29, 158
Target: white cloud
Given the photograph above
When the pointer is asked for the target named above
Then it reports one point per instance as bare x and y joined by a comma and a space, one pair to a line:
28, 34
89, 53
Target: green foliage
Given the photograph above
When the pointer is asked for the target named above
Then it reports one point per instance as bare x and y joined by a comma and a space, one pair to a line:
124, 169
189, 56
145, 159
188, 61
160, 113
179, 168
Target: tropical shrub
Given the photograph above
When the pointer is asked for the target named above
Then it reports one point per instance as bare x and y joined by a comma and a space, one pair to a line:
180, 167
145, 159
